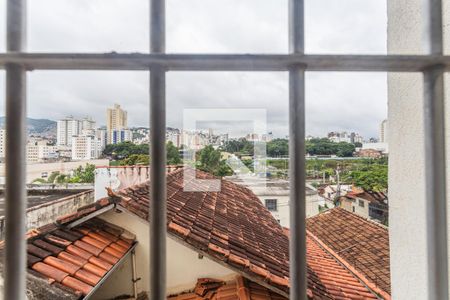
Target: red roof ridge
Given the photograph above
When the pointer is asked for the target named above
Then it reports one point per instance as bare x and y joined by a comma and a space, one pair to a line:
363, 279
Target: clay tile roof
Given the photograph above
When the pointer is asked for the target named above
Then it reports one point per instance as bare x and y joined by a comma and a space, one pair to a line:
75, 258
240, 288
233, 226
362, 244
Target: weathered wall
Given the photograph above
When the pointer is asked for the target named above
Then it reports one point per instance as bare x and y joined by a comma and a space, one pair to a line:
183, 264
47, 213
35, 170
406, 159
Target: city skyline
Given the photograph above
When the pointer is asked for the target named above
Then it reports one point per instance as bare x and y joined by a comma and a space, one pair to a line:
342, 101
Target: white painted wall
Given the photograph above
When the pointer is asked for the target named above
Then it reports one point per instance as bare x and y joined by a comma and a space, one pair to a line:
406, 158
183, 264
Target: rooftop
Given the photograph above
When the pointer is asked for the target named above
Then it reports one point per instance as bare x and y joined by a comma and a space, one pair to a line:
363, 244
37, 197
234, 229
73, 261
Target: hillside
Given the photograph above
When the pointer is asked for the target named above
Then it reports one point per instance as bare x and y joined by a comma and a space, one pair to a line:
39, 127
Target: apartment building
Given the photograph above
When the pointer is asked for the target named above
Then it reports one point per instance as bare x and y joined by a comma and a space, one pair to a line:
116, 119
85, 147
40, 150
383, 131
69, 127
121, 135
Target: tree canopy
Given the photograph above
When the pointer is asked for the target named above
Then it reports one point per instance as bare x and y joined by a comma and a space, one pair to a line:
209, 160
373, 177
124, 150
324, 146
80, 175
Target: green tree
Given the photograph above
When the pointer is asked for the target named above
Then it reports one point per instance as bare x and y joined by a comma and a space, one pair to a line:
80, 175
173, 154
135, 159
278, 147
124, 150
209, 160
373, 177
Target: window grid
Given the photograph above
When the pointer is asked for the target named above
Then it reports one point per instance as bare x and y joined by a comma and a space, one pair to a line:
17, 62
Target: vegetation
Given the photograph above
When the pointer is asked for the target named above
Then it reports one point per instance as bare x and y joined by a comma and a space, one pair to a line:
129, 154
240, 146
324, 146
173, 154
124, 150
373, 177
209, 160
80, 175
135, 159
280, 147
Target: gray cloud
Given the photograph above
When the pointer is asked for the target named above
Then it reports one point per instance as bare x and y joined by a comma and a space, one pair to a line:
335, 101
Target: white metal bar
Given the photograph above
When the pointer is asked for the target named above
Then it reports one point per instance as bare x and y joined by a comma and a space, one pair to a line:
225, 62
435, 170
16, 198
157, 156
297, 178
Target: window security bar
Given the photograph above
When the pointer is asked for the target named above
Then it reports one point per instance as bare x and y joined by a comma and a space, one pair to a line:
224, 62
17, 62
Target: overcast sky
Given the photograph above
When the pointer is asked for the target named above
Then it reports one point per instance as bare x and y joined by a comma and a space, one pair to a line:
335, 101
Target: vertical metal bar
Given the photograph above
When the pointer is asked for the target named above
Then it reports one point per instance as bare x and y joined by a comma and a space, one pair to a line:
435, 171
297, 179
158, 156
14, 260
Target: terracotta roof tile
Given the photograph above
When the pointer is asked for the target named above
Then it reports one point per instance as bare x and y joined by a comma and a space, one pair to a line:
363, 244
240, 288
234, 227
75, 258
77, 285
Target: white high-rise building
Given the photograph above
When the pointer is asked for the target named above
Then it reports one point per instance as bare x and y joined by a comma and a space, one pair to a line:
38, 150
69, 127
85, 147
102, 137
384, 131
121, 135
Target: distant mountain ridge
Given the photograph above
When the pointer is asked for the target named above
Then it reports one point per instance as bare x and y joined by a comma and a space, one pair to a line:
38, 127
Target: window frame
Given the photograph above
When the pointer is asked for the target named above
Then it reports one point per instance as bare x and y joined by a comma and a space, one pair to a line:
17, 62
273, 206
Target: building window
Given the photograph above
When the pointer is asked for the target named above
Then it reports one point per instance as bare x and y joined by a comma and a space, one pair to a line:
353, 208
271, 204
361, 203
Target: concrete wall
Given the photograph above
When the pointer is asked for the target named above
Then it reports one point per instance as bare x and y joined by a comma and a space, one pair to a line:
282, 214
183, 264
406, 160
47, 213
118, 178
36, 170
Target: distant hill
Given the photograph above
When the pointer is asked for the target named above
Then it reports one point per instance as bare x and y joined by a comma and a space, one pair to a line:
39, 127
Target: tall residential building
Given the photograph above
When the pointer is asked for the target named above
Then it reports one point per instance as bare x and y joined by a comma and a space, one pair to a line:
85, 147
384, 131
120, 136
66, 128
39, 150
70, 127
116, 119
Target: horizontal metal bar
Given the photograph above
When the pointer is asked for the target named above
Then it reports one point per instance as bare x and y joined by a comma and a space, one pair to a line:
225, 62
